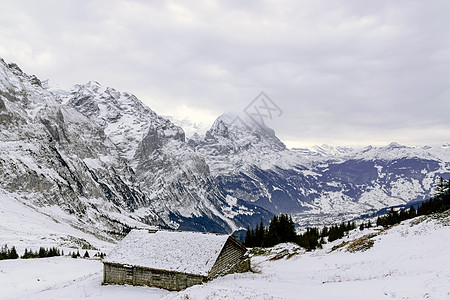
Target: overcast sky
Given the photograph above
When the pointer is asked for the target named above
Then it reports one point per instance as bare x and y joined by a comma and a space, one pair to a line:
342, 72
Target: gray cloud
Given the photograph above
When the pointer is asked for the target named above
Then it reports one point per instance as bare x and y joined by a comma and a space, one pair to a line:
344, 72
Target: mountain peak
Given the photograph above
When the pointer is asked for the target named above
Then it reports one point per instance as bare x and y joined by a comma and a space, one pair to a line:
243, 122
243, 130
395, 145
128, 122
92, 85
17, 71
327, 150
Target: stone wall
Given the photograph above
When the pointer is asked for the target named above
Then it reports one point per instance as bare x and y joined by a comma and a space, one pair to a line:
231, 259
173, 281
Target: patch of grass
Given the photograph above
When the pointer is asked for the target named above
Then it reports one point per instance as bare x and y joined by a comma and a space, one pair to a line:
280, 255
71, 241
341, 245
258, 251
361, 244
442, 218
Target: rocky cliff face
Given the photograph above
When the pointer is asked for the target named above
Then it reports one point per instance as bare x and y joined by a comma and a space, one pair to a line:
175, 179
105, 159
51, 155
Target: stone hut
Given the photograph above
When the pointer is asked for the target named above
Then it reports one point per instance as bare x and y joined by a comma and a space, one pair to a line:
173, 260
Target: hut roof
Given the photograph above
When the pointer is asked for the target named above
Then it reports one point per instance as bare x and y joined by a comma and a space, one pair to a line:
185, 252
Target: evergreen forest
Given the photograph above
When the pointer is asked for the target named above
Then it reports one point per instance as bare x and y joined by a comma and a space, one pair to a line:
281, 228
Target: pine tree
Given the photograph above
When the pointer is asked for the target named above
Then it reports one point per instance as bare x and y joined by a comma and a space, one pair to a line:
256, 241
260, 234
247, 237
441, 188
42, 252
86, 254
13, 253
291, 234
4, 252
324, 232
29, 254
25, 254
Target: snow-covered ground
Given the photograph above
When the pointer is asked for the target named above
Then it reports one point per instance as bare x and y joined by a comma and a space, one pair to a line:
63, 278
25, 225
409, 261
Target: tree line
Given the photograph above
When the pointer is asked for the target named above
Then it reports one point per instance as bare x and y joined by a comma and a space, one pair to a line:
86, 254
314, 237
11, 253
438, 203
42, 253
281, 228
6, 253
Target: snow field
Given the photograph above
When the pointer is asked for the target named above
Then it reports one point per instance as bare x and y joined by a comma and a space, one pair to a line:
63, 278
409, 261
26, 226
404, 263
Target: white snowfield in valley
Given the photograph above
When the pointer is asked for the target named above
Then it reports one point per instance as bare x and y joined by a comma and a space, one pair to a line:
408, 261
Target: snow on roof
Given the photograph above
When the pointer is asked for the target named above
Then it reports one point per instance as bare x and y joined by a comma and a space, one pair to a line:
185, 252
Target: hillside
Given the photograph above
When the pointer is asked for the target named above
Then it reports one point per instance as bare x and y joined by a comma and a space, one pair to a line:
408, 261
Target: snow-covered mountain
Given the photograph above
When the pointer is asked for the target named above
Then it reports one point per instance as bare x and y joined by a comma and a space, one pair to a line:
106, 160
235, 143
51, 155
252, 164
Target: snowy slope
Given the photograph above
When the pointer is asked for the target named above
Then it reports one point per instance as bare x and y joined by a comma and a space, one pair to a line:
408, 261
25, 225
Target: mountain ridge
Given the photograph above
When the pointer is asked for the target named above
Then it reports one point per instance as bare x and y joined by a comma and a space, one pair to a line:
105, 157
110, 161
324, 180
